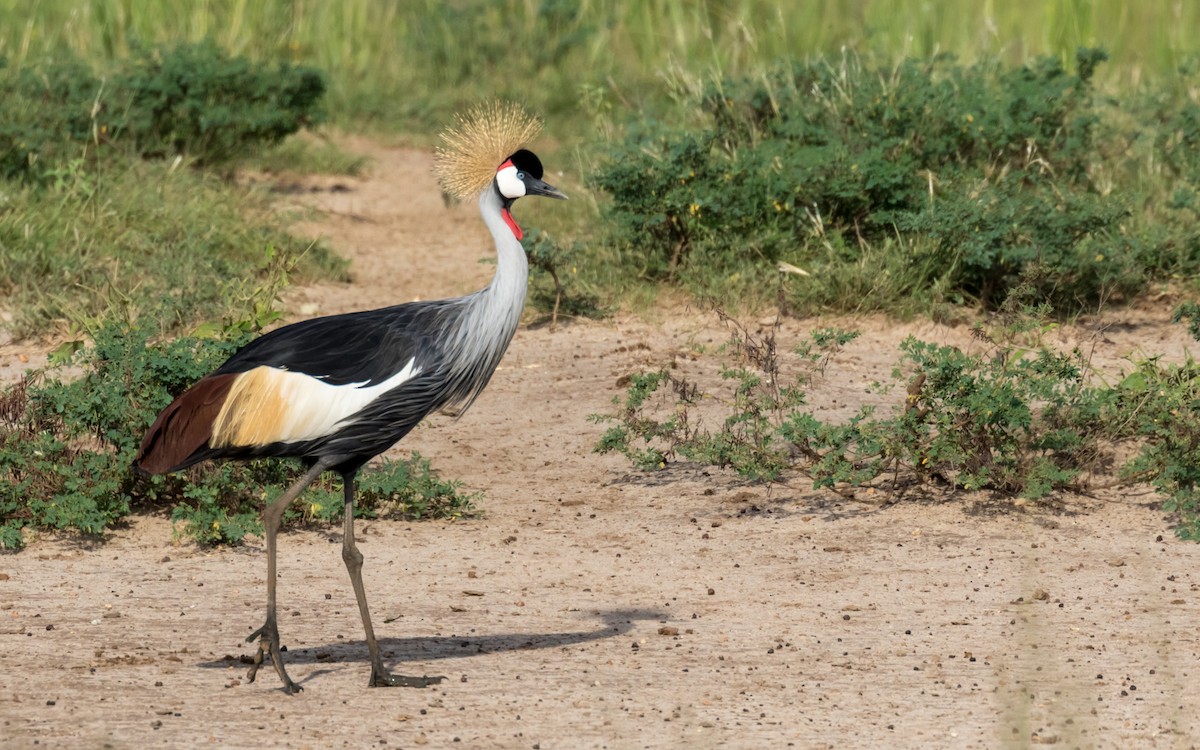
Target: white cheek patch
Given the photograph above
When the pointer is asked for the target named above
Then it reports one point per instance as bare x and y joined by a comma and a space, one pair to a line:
510, 186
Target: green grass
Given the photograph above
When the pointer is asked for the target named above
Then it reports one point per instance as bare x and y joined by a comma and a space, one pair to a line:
117, 198
144, 240
403, 64
309, 155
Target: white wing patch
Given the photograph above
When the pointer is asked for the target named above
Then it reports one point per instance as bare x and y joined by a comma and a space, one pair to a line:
272, 405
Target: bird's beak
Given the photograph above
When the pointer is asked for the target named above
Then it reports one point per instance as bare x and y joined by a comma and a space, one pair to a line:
534, 186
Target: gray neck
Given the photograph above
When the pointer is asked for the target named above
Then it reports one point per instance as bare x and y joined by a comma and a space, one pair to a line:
490, 316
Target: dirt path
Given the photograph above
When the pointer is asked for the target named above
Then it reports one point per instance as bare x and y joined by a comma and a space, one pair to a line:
597, 607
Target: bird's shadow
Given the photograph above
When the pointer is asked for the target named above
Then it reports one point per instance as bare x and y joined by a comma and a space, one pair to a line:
613, 623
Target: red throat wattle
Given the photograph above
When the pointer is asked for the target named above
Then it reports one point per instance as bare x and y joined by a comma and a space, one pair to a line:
512, 224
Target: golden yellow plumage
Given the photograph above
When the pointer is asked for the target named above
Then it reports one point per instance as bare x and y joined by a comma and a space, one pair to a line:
481, 140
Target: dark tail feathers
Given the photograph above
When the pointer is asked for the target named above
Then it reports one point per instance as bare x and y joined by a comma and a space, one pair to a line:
184, 428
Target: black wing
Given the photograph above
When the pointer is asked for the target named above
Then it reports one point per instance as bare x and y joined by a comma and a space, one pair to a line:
360, 347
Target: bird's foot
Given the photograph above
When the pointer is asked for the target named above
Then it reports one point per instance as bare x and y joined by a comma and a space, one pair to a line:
268, 647
383, 678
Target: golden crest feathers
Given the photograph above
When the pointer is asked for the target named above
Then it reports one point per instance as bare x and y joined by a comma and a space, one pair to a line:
478, 143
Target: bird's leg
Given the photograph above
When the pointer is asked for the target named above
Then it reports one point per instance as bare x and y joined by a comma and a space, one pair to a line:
268, 634
380, 677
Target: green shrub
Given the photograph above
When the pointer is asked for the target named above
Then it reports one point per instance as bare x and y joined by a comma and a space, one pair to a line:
1154, 408
189, 100
1015, 419
655, 426
994, 234
50, 116
983, 168
555, 285
992, 420
198, 101
67, 446
1012, 419
646, 441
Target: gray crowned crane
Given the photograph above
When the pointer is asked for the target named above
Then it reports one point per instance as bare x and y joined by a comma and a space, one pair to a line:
335, 392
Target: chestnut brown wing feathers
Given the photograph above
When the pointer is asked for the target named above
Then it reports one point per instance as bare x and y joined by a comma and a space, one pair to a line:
184, 427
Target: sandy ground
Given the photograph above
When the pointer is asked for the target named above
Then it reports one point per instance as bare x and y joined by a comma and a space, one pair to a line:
594, 606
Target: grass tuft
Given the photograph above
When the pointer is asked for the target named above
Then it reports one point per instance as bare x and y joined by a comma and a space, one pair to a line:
144, 241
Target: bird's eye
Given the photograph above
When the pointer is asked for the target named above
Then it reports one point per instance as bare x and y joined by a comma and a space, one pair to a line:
520, 175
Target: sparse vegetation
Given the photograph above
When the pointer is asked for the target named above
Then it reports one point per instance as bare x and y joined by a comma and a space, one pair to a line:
1015, 419
555, 287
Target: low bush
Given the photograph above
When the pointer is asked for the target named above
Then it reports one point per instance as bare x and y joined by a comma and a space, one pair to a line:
1016, 419
555, 286
190, 100
969, 175
199, 101
66, 451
